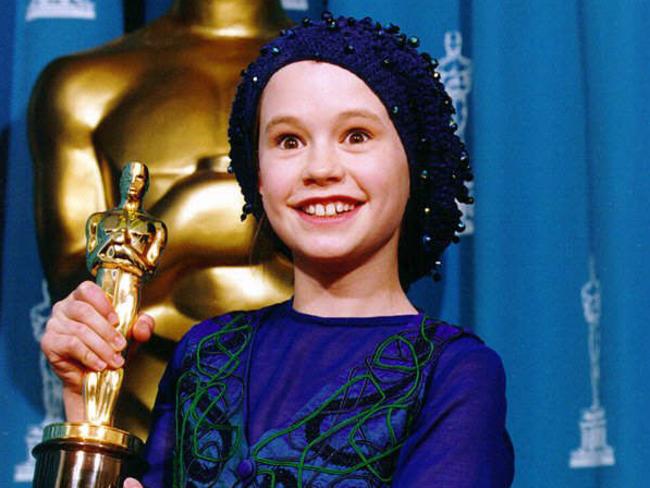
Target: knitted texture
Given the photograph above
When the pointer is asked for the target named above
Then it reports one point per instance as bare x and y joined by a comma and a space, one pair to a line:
409, 87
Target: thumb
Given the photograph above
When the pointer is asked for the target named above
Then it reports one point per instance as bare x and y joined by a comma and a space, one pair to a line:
143, 328
132, 483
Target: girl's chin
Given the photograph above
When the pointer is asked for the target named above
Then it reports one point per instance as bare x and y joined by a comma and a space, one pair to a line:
335, 259
324, 256
327, 256
333, 244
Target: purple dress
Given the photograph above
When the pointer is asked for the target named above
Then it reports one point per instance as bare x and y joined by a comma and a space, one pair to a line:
277, 398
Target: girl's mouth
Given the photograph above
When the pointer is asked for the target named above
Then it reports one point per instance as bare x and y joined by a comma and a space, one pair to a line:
329, 209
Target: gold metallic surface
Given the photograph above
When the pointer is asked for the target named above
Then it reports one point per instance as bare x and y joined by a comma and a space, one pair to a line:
161, 95
87, 432
123, 248
82, 455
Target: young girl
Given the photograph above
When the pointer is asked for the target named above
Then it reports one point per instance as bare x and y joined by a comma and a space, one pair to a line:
343, 144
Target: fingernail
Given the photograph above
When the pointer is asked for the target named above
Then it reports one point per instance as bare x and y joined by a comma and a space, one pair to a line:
149, 321
112, 318
100, 365
119, 341
118, 360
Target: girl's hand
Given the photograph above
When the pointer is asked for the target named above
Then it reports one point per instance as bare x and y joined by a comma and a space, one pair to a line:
132, 483
80, 336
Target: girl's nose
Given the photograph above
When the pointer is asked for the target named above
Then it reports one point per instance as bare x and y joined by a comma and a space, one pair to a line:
322, 166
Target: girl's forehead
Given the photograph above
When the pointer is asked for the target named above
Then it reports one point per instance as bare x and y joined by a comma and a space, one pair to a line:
314, 76
315, 84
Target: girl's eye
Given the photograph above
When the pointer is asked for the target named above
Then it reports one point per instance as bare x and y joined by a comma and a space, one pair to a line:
288, 142
357, 136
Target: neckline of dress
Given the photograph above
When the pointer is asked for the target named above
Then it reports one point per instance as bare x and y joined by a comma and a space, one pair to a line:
369, 321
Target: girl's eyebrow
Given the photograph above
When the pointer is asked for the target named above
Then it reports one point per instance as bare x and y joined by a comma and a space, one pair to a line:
280, 119
366, 114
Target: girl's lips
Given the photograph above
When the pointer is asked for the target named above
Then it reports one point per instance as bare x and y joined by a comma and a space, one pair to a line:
325, 199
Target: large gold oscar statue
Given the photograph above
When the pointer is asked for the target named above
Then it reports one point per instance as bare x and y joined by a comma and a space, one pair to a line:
161, 95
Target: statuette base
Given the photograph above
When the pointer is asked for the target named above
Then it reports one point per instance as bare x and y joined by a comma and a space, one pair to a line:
594, 450
79, 455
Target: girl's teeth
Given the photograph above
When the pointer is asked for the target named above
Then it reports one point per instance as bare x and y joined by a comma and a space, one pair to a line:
329, 210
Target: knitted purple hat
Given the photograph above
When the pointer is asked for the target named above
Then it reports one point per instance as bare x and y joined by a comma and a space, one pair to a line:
409, 87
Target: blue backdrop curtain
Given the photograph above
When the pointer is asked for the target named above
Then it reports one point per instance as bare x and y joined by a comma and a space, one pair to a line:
560, 138
553, 99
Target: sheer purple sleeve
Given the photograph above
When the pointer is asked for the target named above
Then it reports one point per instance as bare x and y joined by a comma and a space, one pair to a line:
159, 450
460, 439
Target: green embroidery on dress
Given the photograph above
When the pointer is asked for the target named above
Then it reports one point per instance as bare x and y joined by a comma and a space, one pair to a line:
203, 387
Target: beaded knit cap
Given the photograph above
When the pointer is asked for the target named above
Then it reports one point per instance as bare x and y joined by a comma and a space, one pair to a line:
409, 87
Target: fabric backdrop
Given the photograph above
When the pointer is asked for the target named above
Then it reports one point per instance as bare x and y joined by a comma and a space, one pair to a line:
553, 100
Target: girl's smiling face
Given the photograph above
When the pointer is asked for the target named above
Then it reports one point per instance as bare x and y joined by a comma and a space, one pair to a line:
333, 173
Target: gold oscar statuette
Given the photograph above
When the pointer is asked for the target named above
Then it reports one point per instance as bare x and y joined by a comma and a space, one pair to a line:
123, 248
